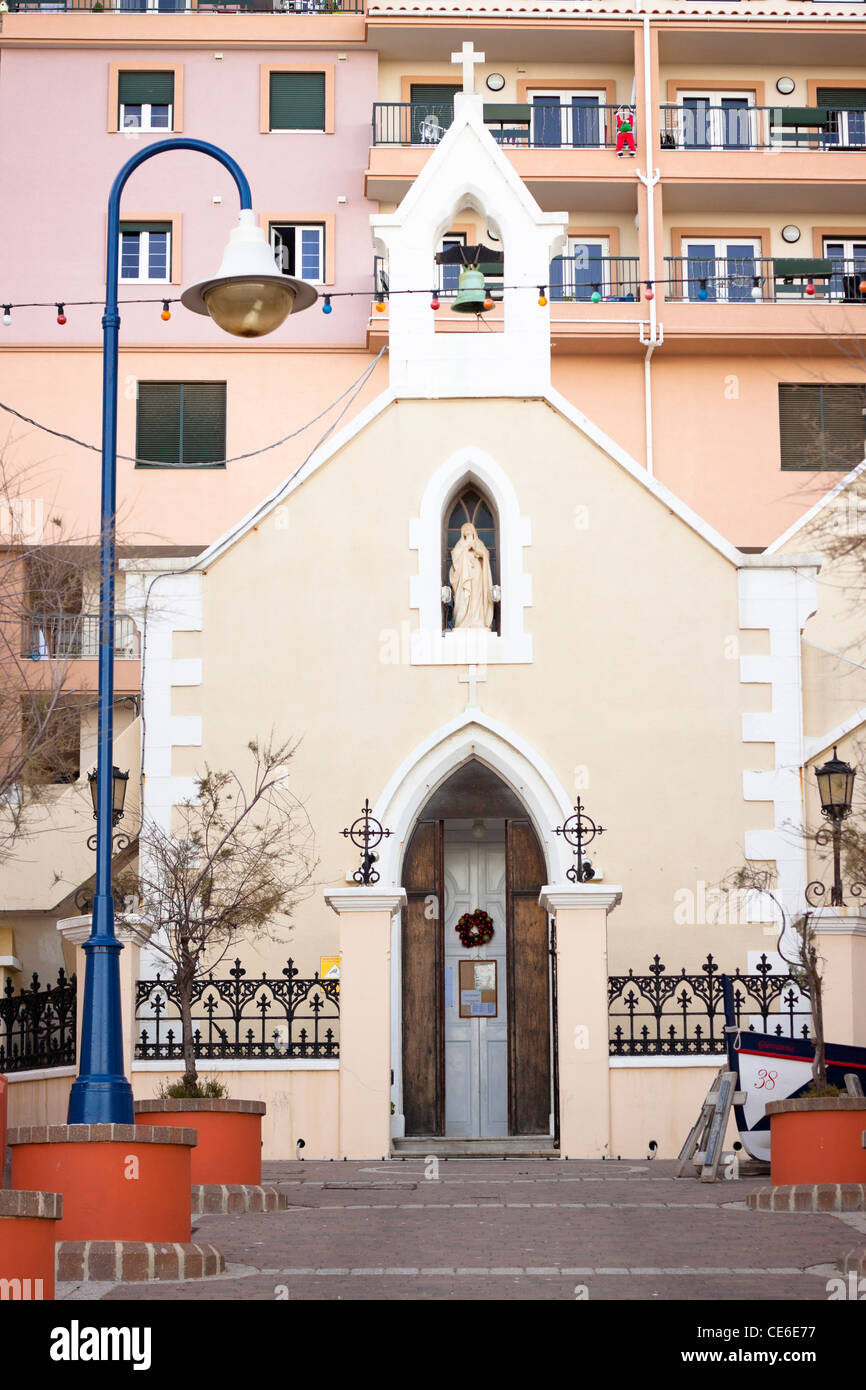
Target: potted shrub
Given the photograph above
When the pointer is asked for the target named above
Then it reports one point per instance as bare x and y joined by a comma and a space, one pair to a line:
238, 861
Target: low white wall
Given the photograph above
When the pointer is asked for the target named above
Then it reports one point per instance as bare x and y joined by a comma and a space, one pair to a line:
302, 1099
659, 1098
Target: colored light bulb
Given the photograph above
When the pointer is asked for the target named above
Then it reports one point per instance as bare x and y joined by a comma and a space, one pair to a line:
434, 301
595, 297
61, 317
380, 306
649, 292
810, 288
327, 307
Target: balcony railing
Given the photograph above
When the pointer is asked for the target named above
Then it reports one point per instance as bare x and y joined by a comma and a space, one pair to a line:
545, 127
738, 127
37, 1025
572, 279
762, 279
71, 636
189, 6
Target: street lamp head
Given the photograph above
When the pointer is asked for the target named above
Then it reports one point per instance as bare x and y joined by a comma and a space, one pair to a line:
248, 297
835, 787
119, 781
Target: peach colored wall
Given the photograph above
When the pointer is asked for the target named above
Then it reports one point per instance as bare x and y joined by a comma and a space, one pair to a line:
270, 393
39, 1098
660, 1103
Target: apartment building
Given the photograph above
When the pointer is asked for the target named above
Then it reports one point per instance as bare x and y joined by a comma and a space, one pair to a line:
694, 326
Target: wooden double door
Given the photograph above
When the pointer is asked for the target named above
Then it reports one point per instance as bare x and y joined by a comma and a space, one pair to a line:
476, 1020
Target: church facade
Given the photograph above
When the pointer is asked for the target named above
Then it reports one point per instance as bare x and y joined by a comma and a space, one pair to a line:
478, 609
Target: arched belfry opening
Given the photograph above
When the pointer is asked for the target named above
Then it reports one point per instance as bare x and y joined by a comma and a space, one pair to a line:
476, 1019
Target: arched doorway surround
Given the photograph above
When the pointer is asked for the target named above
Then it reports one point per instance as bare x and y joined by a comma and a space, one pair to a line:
473, 811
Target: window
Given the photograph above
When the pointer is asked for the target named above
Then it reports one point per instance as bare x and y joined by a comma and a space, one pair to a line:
432, 110
299, 249
145, 100
583, 271
848, 255
822, 426
572, 118
180, 424
297, 101
716, 120
471, 506
51, 738
847, 107
719, 269
145, 252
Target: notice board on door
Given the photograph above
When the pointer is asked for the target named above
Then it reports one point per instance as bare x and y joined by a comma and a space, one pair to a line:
478, 989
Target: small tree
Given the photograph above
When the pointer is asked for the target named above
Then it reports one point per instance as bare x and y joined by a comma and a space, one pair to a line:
239, 859
806, 967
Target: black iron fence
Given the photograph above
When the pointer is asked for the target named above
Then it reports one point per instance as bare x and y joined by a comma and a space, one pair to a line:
680, 1015
37, 1026
235, 1018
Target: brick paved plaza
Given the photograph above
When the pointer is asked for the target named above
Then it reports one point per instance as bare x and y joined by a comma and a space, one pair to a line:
514, 1229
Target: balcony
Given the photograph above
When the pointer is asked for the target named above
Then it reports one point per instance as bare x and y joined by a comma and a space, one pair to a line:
571, 280
522, 126
75, 636
541, 141
736, 127
765, 280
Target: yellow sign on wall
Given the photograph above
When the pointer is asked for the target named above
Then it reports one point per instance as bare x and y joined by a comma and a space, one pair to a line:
329, 967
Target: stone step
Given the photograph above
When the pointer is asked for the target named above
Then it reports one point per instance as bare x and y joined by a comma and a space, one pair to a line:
530, 1146
819, 1196
134, 1261
208, 1198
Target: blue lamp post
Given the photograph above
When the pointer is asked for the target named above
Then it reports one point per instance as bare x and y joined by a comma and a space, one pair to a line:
247, 298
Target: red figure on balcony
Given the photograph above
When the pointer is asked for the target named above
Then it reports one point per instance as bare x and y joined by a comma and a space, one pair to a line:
625, 132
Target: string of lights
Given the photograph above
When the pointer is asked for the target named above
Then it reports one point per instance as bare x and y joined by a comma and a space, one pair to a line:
646, 288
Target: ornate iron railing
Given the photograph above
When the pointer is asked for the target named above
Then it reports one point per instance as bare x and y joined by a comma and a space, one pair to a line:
37, 1026
70, 636
680, 1015
236, 1018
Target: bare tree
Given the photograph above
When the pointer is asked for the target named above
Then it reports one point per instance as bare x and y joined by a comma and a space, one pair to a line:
237, 860
46, 580
806, 967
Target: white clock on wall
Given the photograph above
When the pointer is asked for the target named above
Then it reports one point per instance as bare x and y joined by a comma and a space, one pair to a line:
496, 82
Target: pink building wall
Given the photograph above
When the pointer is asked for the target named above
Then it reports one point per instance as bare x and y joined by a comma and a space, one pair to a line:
57, 162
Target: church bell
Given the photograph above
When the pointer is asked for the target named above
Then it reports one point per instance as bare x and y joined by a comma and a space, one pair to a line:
472, 297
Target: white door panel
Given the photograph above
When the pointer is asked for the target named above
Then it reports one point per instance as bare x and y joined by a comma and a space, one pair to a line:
476, 1049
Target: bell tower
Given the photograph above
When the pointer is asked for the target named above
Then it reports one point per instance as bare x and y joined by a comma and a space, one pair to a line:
468, 169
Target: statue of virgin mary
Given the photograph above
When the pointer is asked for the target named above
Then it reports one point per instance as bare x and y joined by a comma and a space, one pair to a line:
471, 580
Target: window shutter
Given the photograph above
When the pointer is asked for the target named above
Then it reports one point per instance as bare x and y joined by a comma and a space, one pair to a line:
297, 100
822, 426
180, 423
431, 100
141, 88
842, 98
158, 423
204, 422
145, 226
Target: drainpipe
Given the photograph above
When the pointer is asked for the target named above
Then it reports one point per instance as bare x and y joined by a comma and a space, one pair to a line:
651, 333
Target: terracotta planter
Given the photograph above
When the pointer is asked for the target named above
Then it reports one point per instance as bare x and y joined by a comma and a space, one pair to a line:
229, 1148
817, 1140
119, 1182
28, 1221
